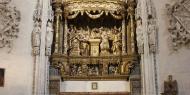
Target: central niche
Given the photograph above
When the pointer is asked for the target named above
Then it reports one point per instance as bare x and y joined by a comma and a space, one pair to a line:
94, 37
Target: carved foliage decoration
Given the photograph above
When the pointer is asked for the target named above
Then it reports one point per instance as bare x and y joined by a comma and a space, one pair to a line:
9, 26
179, 24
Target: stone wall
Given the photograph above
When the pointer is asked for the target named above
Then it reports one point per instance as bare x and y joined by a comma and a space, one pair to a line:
18, 61
171, 62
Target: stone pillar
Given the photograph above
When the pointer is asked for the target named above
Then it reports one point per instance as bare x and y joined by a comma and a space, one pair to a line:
128, 39
148, 62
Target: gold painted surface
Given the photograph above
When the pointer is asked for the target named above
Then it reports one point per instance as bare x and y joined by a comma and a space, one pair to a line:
96, 53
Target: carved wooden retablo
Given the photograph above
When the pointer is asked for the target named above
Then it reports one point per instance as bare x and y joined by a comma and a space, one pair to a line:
91, 39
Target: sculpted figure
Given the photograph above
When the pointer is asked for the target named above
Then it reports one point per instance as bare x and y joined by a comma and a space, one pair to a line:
84, 50
49, 37
73, 70
152, 33
95, 33
75, 47
36, 38
79, 71
116, 47
140, 39
104, 42
170, 86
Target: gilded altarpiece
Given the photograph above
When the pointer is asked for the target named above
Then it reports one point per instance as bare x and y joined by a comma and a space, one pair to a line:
94, 39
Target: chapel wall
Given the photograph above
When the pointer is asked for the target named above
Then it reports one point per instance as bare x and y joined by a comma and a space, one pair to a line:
170, 63
18, 63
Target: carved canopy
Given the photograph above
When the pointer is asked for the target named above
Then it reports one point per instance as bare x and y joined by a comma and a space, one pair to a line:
94, 8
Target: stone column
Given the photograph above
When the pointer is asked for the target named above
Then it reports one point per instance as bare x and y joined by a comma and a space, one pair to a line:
131, 26
148, 62
123, 36
58, 17
65, 36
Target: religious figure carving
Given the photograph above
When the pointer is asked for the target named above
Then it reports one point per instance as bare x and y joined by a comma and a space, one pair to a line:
93, 70
113, 69
104, 45
9, 18
116, 47
73, 70
49, 38
84, 50
152, 34
75, 47
36, 40
170, 86
140, 38
79, 71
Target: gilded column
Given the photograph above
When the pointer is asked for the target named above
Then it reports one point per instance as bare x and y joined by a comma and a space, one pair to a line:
131, 27
123, 36
65, 36
57, 24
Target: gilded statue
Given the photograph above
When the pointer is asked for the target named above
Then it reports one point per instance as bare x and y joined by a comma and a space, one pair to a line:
116, 47
104, 45
75, 47
84, 48
170, 86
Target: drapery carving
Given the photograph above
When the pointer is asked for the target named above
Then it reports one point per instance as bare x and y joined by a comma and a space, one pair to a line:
9, 18
99, 6
116, 16
97, 15
179, 23
74, 15
94, 16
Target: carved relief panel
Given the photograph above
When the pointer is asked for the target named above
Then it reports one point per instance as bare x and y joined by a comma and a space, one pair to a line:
9, 27
179, 18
